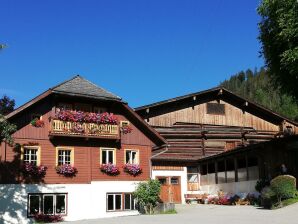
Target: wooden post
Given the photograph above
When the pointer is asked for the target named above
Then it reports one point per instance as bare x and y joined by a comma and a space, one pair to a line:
236, 169
226, 176
246, 161
216, 175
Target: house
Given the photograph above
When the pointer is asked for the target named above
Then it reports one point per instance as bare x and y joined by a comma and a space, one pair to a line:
73, 147
218, 141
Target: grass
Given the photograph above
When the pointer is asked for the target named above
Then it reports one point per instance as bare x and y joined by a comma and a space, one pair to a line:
171, 211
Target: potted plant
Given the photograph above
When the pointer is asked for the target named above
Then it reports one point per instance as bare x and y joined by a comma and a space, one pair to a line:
110, 169
37, 123
126, 129
132, 169
67, 170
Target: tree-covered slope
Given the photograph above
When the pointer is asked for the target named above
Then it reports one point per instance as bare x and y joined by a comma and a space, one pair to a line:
258, 87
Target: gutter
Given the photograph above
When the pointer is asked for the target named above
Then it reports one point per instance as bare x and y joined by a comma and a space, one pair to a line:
156, 148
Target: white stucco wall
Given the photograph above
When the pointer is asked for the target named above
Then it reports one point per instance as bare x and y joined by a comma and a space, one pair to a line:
233, 188
85, 201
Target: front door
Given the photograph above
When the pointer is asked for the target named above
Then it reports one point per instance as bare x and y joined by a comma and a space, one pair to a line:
170, 189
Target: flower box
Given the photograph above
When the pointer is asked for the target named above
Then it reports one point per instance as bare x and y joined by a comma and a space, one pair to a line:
132, 169
110, 169
37, 123
67, 170
34, 170
126, 129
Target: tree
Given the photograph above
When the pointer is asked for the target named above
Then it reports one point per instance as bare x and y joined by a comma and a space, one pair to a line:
279, 39
6, 130
147, 194
257, 86
6, 105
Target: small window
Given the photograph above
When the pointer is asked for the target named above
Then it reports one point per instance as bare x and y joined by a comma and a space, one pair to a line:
162, 180
107, 156
131, 156
129, 202
30, 154
120, 202
114, 202
174, 180
124, 123
215, 108
99, 110
34, 204
82, 107
64, 106
49, 204
64, 156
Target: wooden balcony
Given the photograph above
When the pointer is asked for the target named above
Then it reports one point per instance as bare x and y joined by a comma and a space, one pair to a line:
87, 130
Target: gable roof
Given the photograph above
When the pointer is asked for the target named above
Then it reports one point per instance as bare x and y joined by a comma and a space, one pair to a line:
79, 86
76, 86
216, 94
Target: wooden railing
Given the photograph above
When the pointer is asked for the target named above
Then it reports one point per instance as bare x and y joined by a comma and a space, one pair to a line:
67, 128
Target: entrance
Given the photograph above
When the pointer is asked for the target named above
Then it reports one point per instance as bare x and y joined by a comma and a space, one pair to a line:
170, 189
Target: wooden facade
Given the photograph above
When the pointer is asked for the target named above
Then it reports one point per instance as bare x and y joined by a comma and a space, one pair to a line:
85, 148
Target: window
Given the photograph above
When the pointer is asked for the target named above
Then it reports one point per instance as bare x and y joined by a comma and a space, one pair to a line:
30, 154
107, 156
131, 156
49, 204
99, 110
64, 106
215, 108
174, 180
129, 202
65, 156
124, 123
115, 200
162, 180
82, 107
192, 178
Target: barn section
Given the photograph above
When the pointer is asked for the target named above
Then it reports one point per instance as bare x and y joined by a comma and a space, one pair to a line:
211, 123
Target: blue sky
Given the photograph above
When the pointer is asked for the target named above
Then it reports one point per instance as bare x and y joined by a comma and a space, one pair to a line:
143, 51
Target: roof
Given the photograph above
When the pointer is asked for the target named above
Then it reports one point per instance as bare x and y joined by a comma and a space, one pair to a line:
79, 86
215, 94
76, 86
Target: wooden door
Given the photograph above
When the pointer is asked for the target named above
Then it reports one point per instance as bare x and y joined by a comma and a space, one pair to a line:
170, 189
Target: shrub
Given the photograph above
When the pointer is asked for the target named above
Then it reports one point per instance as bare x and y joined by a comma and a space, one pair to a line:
261, 184
147, 195
284, 186
268, 197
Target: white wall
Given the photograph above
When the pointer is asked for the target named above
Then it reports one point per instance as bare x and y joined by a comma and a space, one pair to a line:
233, 188
171, 173
85, 201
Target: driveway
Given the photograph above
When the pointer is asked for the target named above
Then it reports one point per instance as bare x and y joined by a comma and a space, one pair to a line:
210, 214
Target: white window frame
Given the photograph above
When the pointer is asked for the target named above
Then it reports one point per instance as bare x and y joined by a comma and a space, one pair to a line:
37, 148
132, 202
41, 202
130, 156
107, 155
114, 202
65, 149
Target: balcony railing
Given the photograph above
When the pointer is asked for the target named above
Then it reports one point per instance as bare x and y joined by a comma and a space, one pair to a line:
68, 128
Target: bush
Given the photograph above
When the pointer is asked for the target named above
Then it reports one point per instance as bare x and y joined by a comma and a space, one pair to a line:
147, 195
284, 186
268, 197
261, 184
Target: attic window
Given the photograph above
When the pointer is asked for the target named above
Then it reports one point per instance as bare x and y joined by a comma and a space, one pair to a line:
215, 108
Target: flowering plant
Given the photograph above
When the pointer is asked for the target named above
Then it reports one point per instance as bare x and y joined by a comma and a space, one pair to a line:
34, 170
67, 170
37, 123
126, 129
109, 169
79, 116
132, 169
43, 218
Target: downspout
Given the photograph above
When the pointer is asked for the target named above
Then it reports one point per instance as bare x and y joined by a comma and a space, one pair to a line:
150, 162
